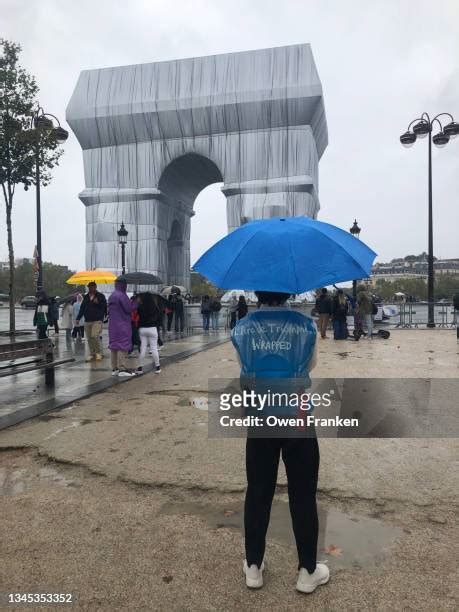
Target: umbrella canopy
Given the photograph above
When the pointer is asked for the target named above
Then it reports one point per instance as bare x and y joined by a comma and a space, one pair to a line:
289, 255
140, 278
173, 289
101, 277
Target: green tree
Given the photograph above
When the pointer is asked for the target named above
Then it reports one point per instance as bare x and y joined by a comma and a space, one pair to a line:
20, 146
201, 286
24, 282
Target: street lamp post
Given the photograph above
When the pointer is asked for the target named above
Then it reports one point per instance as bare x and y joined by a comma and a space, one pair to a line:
355, 231
43, 122
424, 126
122, 239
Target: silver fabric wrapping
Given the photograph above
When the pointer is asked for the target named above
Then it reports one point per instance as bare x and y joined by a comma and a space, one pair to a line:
154, 135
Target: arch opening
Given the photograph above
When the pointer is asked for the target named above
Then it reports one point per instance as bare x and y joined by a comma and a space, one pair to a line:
186, 176
183, 179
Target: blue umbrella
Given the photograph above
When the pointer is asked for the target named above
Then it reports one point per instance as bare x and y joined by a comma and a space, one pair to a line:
289, 255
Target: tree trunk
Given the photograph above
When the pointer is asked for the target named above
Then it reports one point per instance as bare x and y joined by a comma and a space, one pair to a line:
9, 206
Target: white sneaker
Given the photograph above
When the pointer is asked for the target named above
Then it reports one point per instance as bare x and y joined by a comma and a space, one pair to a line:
307, 583
115, 372
125, 374
253, 575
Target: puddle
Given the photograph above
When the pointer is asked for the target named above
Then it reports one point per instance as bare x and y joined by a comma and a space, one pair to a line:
17, 481
201, 403
347, 541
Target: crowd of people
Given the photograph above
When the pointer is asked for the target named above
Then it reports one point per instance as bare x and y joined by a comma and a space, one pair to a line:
137, 322
338, 307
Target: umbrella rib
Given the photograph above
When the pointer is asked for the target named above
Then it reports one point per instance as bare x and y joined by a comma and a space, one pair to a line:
293, 265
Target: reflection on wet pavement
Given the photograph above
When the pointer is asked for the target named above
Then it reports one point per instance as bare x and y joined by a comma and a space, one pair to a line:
16, 481
345, 540
25, 395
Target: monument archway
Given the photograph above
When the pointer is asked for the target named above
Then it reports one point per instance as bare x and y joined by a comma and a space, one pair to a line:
154, 135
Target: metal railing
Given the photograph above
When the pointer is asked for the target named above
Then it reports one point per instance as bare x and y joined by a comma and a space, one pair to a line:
414, 315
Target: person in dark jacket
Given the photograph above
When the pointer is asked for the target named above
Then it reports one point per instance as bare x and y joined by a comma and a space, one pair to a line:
41, 318
169, 310
179, 311
215, 307
94, 310
232, 309
149, 322
339, 316
324, 310
54, 314
456, 309
242, 308
205, 311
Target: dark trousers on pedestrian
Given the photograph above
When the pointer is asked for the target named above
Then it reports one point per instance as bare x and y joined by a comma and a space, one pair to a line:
339, 329
78, 332
42, 331
205, 321
301, 459
233, 319
179, 321
170, 316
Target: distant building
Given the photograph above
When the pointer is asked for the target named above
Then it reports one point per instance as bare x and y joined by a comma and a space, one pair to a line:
399, 269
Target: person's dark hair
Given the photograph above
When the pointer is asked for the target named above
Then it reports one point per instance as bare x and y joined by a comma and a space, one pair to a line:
148, 304
324, 290
241, 299
272, 298
340, 291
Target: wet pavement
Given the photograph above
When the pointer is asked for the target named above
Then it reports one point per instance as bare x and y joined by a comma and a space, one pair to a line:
25, 395
123, 500
345, 540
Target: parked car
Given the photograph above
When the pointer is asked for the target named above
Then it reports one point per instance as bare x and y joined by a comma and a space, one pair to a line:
29, 301
4, 299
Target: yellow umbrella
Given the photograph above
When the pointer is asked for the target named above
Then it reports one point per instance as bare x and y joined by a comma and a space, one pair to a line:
101, 277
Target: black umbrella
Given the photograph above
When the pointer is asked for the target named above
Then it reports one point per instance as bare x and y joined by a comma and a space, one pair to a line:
140, 278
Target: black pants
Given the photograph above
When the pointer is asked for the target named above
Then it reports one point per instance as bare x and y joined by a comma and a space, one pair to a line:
301, 459
170, 316
78, 332
42, 331
179, 320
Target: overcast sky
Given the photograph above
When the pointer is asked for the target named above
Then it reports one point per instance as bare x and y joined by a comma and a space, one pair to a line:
381, 62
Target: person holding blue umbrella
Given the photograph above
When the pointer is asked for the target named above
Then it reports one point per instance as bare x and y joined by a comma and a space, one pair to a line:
277, 258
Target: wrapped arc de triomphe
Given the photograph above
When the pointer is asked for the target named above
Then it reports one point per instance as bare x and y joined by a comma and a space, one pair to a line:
154, 135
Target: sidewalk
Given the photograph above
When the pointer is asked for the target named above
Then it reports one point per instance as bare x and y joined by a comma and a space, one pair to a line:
124, 501
25, 395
